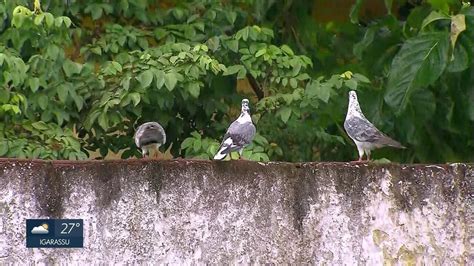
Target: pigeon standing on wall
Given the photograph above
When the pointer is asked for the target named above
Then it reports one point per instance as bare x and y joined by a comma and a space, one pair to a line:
239, 134
149, 137
364, 134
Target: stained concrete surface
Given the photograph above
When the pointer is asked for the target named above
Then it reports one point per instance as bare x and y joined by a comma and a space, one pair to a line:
183, 212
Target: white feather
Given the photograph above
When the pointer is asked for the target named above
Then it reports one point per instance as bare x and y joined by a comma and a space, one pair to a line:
244, 118
219, 155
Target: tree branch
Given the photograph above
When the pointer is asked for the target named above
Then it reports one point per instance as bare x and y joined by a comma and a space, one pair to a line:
255, 86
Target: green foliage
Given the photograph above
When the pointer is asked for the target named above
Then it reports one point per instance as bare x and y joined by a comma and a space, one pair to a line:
427, 79
79, 78
418, 64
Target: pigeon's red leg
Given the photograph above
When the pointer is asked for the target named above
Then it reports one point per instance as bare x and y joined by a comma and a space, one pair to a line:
361, 155
359, 160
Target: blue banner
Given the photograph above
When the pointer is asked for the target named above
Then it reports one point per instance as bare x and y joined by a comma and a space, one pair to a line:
54, 233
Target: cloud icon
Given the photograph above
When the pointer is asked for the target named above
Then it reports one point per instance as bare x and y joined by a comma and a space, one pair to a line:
40, 230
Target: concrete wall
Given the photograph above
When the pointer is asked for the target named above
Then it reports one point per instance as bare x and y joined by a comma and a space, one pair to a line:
179, 211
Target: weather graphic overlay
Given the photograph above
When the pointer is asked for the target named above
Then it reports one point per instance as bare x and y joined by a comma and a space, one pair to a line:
54, 233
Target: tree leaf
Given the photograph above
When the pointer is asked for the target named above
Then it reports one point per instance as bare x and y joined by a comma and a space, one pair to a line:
39, 19
145, 78
361, 46
242, 73
49, 19
293, 83
160, 33
285, 113
187, 143
160, 78
233, 45
261, 52
442, 5
70, 68
4, 96
232, 70
351, 84
419, 63
34, 84
458, 25
77, 100
43, 101
194, 89
197, 145
126, 83
245, 33
40, 125
231, 16
361, 78
354, 15
433, 16
117, 66
423, 103
460, 59
58, 21
285, 48
170, 80
103, 121
3, 147
62, 91
135, 96
213, 43
67, 21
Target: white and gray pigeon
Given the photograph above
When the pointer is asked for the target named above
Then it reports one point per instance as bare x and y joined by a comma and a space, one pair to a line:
239, 134
364, 134
149, 137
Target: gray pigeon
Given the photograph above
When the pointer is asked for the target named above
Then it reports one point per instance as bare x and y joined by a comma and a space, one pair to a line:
238, 135
149, 137
364, 134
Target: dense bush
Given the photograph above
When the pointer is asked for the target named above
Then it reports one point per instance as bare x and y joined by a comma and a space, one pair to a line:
79, 76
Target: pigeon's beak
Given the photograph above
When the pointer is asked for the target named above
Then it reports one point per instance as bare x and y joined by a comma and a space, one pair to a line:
245, 105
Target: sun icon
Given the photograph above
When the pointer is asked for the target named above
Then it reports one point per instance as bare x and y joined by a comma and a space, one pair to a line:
45, 226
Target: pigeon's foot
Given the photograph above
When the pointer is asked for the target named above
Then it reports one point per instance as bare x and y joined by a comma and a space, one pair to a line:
157, 157
360, 161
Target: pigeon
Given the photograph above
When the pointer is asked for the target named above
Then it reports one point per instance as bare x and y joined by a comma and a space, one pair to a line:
239, 134
364, 134
149, 137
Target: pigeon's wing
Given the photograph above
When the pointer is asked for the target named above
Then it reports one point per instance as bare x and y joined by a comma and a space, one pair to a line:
162, 135
237, 137
137, 136
362, 130
241, 134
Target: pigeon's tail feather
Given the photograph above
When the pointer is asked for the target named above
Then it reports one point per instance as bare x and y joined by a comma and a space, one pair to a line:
393, 143
224, 149
220, 155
